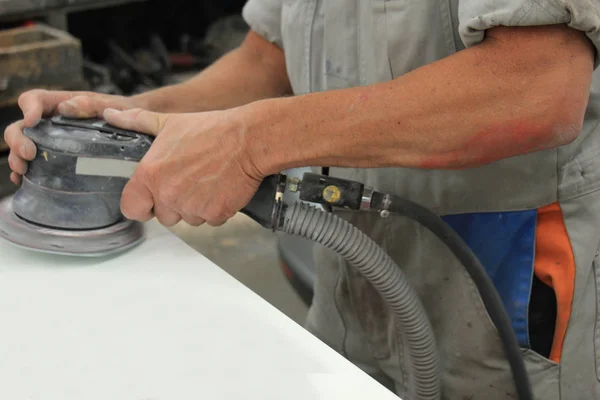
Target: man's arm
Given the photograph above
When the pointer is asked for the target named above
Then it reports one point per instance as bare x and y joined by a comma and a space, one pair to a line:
495, 100
521, 90
256, 70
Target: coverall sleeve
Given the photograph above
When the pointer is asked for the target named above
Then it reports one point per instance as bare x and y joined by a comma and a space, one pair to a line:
264, 18
475, 16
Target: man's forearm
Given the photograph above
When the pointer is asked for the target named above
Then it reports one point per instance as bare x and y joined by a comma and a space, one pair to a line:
470, 109
254, 71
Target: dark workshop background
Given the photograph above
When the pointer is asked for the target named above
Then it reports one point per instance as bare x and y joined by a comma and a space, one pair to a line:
126, 47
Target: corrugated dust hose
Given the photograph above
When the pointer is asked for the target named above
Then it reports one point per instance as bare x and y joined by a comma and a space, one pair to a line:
363, 253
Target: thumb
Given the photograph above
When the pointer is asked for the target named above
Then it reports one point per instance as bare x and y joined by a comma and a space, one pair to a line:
137, 120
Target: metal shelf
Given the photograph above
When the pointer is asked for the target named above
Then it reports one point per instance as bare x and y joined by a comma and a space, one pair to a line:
54, 10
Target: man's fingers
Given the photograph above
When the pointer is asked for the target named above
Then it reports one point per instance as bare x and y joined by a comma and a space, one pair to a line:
216, 223
18, 142
17, 164
16, 178
32, 105
89, 106
137, 201
37, 103
166, 216
137, 120
193, 221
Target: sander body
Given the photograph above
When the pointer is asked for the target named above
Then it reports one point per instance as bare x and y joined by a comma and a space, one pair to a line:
78, 174
69, 201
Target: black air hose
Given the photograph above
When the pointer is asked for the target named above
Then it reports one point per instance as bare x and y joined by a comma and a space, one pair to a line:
485, 286
359, 250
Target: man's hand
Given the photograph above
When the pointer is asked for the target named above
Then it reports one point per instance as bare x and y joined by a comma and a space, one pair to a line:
198, 169
36, 104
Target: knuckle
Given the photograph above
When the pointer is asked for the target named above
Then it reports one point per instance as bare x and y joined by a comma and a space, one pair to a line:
165, 222
12, 132
16, 164
116, 101
167, 196
145, 171
148, 173
24, 96
226, 211
31, 94
128, 208
8, 134
217, 223
136, 113
171, 221
214, 214
136, 118
210, 217
166, 216
11, 163
82, 101
193, 221
15, 178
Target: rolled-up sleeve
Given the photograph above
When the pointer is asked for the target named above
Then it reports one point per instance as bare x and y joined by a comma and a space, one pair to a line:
475, 16
264, 18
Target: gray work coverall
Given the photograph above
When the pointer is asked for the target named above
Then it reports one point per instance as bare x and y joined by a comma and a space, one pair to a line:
533, 220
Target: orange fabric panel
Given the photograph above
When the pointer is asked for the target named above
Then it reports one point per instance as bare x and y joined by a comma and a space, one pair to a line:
554, 265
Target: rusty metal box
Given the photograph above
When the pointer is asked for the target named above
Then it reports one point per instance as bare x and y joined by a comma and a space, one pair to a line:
38, 57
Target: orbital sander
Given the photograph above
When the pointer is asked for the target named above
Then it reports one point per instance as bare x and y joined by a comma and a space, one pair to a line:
69, 203
69, 200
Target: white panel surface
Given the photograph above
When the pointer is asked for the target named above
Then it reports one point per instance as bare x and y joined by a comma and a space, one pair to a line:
160, 322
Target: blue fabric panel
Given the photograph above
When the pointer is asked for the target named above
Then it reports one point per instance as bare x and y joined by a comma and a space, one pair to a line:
505, 244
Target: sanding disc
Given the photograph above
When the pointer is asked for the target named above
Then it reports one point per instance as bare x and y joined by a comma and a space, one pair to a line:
84, 243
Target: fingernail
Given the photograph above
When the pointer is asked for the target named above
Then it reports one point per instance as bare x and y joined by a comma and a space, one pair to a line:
68, 108
70, 103
110, 111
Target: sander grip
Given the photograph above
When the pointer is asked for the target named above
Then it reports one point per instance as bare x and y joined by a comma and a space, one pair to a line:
84, 201
264, 206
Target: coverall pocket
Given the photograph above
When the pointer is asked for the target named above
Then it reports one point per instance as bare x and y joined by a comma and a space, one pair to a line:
410, 42
296, 27
543, 373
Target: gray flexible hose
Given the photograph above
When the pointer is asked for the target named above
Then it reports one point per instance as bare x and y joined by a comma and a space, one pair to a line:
359, 250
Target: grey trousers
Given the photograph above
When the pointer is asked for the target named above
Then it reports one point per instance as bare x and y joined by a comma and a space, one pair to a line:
351, 317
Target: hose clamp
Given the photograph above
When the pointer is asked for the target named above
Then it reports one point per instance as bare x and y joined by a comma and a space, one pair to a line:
387, 201
278, 204
367, 197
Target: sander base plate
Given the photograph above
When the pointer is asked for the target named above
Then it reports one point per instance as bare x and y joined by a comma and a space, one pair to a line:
83, 243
